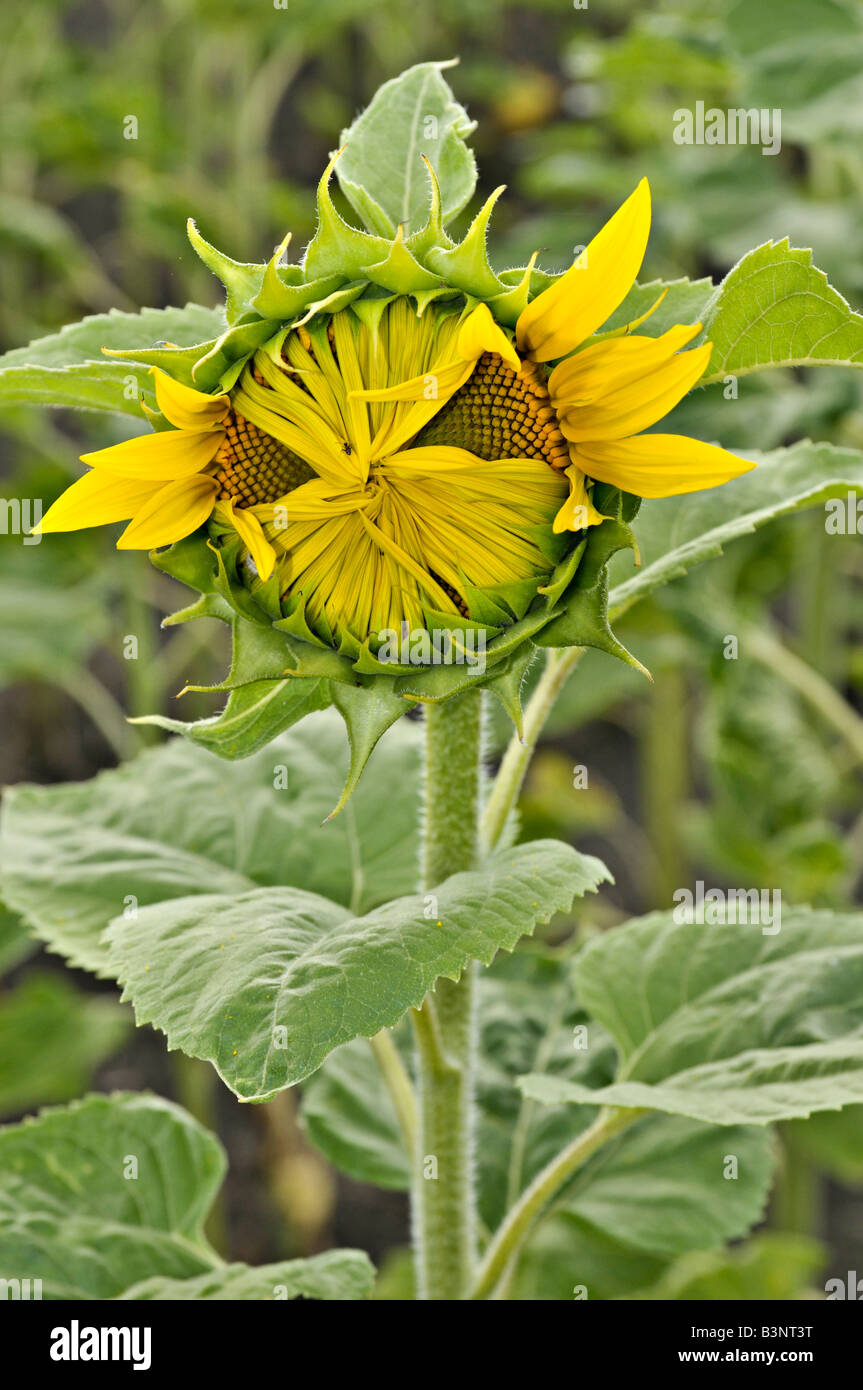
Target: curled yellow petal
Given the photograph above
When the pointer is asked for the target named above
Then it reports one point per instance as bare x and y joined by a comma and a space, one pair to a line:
158, 457
479, 333
250, 531
186, 408
97, 499
579, 303
634, 402
578, 511
613, 363
659, 465
172, 513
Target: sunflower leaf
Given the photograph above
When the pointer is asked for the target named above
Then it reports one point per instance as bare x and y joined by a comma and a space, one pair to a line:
52, 1037
336, 1276
264, 984
68, 368
678, 532
731, 1023
776, 309
381, 170
104, 1193
73, 857
107, 1199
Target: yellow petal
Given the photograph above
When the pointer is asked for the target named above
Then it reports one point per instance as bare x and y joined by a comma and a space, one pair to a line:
97, 499
659, 465
634, 406
479, 333
578, 511
612, 363
579, 303
175, 511
158, 457
251, 532
186, 408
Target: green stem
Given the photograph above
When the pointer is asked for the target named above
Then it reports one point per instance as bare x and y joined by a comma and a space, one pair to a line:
520, 1218
444, 1211
98, 702
513, 768
665, 784
796, 1200
398, 1083
815, 690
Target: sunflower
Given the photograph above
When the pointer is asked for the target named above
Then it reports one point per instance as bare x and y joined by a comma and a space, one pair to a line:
388, 468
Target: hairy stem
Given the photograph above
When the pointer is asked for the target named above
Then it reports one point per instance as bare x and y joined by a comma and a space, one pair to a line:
444, 1210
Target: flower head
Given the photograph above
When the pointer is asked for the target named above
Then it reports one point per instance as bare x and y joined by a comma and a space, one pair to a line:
393, 437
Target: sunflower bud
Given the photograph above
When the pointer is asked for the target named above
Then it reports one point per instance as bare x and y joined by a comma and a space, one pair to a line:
398, 472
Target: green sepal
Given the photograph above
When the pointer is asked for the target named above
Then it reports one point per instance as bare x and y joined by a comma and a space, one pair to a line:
368, 711
584, 620
177, 362
369, 308
242, 281
337, 248
192, 561
484, 608
467, 265
432, 234
508, 683
293, 620
221, 366
516, 595
400, 272
285, 292
563, 575
258, 708
339, 299
508, 305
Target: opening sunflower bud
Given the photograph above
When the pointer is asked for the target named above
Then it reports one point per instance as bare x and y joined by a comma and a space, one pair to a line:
396, 457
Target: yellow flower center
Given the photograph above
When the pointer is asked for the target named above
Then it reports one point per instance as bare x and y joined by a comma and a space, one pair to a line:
253, 467
500, 413
384, 503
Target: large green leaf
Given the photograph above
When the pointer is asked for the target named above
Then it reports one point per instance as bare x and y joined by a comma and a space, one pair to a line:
776, 309
724, 1023
74, 1214
107, 1199
177, 821
662, 1187
678, 532
69, 369
782, 50
51, 1038
774, 1266
336, 1276
381, 169
265, 984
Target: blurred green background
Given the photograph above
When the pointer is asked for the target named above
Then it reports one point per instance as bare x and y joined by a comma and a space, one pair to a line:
741, 772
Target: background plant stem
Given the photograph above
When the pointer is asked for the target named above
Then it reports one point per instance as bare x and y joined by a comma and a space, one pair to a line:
444, 1210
